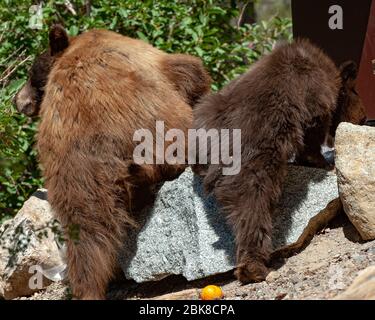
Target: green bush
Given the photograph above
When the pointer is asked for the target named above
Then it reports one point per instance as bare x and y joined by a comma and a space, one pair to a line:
204, 28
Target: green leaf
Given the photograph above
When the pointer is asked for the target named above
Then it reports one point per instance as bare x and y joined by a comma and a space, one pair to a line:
142, 36
199, 51
73, 31
15, 85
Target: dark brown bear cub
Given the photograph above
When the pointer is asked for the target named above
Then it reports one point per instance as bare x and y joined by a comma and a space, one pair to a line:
288, 93
92, 93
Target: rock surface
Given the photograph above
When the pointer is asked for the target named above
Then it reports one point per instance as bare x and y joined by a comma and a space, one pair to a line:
186, 234
324, 270
362, 288
25, 246
355, 166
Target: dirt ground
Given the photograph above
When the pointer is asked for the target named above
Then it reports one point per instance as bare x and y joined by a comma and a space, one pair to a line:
323, 270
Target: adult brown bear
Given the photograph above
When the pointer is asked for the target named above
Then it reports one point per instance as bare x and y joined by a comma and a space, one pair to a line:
94, 91
294, 95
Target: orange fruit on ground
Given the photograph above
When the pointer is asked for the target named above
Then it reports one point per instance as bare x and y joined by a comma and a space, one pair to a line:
211, 292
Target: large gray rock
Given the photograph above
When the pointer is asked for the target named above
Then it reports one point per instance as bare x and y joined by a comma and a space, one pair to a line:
355, 166
186, 234
28, 247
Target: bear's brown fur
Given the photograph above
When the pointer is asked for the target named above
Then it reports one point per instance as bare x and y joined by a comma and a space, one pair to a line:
281, 101
101, 88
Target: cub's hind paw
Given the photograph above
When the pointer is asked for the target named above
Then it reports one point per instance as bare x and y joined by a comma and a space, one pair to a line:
251, 272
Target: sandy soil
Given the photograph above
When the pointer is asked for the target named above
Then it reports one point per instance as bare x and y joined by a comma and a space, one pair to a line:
323, 270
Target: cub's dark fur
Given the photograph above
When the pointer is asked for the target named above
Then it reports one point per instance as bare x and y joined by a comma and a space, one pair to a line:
281, 103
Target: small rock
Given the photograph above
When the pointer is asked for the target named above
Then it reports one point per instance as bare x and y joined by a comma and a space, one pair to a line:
355, 167
281, 296
362, 288
295, 280
337, 258
27, 246
291, 272
316, 283
272, 276
358, 258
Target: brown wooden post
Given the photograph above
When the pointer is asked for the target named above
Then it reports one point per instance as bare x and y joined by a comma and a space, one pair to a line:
342, 41
366, 78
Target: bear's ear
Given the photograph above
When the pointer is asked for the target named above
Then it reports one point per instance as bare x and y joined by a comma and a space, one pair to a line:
58, 39
349, 72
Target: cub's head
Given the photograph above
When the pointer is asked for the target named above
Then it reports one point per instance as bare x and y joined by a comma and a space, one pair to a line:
29, 98
349, 104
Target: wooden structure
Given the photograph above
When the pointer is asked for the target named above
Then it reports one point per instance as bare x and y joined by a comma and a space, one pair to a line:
345, 29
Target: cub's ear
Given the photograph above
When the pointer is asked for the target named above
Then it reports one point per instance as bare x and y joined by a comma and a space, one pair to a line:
349, 72
58, 39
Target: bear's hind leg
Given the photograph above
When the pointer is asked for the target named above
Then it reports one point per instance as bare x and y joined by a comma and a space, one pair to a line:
248, 199
91, 201
91, 262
